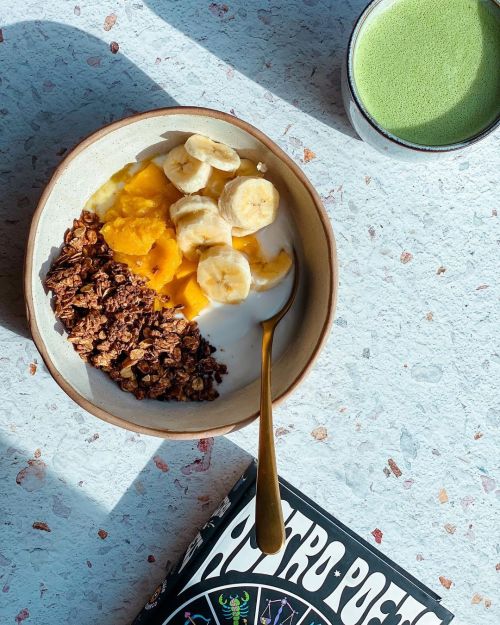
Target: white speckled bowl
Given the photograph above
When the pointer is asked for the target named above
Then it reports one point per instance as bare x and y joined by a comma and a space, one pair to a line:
300, 336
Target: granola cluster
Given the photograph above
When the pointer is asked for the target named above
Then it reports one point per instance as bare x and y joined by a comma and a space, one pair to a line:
110, 318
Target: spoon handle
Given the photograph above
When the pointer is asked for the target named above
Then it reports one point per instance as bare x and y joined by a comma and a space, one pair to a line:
270, 528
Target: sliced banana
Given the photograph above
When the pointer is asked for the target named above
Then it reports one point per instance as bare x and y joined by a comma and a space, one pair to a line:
187, 173
201, 229
224, 274
268, 274
192, 204
249, 203
103, 198
217, 154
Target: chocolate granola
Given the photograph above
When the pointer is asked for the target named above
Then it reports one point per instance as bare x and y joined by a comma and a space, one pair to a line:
110, 318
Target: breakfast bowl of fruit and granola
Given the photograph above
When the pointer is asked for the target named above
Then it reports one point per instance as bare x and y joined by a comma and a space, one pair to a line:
156, 249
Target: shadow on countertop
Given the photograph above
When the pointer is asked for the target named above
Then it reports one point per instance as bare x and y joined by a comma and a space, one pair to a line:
84, 561
292, 49
57, 85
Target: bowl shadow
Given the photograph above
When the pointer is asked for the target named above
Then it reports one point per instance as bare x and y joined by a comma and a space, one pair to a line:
294, 51
89, 87
69, 574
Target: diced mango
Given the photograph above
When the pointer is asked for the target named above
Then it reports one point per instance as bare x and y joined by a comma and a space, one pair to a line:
168, 290
136, 227
149, 182
249, 245
157, 304
123, 174
172, 194
132, 235
248, 168
159, 265
189, 294
147, 193
136, 206
216, 183
110, 214
136, 263
186, 268
164, 258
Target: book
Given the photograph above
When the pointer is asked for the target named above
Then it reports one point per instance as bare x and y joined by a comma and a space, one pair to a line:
325, 575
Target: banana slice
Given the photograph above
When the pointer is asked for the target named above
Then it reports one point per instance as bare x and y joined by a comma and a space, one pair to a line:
267, 274
249, 203
188, 174
224, 274
212, 152
192, 204
201, 229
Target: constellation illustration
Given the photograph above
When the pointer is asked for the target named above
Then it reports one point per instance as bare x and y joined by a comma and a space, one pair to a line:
284, 615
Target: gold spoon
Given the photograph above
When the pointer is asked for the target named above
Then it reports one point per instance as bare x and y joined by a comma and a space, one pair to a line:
269, 525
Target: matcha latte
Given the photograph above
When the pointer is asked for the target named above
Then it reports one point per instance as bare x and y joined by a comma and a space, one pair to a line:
428, 71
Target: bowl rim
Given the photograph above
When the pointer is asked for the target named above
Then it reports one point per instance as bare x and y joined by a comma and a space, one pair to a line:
28, 270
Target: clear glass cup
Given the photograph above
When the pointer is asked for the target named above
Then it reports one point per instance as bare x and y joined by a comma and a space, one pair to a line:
365, 125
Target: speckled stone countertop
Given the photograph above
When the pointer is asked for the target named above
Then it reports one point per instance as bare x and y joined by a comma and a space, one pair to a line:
396, 431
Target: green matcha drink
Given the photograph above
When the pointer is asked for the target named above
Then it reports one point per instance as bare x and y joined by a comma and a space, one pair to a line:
429, 70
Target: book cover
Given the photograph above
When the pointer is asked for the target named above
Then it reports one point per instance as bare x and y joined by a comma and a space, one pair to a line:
325, 575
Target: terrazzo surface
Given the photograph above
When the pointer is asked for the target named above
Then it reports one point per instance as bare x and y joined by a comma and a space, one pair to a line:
396, 431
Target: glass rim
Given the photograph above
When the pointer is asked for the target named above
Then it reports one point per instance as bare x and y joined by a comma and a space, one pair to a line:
418, 147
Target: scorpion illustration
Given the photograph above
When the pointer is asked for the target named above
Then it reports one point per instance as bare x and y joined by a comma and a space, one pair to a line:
236, 608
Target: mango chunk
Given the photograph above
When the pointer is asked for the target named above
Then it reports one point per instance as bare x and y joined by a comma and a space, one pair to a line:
148, 193
186, 268
248, 168
159, 265
111, 214
136, 206
149, 182
132, 235
157, 304
170, 233
189, 294
164, 259
249, 245
123, 174
168, 290
216, 183
135, 263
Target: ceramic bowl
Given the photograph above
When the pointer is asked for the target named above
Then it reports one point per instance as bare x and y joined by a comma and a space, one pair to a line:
300, 335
